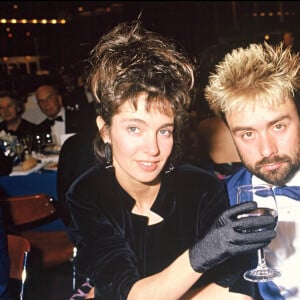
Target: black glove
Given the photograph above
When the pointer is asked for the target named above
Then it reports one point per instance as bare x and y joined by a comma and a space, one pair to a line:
230, 236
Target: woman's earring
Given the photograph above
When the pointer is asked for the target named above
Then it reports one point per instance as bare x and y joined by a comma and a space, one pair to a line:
108, 155
169, 169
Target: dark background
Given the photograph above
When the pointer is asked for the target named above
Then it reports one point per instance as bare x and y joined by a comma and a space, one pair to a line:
205, 29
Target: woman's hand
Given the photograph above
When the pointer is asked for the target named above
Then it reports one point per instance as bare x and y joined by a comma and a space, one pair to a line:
231, 236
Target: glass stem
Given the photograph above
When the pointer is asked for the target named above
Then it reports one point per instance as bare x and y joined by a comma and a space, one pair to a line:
261, 259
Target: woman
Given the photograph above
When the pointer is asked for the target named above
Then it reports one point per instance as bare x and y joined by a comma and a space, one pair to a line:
144, 225
11, 110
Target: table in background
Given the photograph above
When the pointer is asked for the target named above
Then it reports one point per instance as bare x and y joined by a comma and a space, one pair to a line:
33, 183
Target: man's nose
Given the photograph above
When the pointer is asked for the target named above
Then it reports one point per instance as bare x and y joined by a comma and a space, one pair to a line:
267, 145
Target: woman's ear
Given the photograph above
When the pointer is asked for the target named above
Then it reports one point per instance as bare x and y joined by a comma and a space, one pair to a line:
102, 129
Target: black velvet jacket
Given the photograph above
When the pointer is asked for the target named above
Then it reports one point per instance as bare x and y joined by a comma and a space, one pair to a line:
116, 247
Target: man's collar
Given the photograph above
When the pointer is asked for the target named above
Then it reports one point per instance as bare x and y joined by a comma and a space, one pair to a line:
61, 113
295, 181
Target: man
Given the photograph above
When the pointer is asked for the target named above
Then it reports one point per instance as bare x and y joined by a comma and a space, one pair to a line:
60, 120
289, 40
219, 146
255, 90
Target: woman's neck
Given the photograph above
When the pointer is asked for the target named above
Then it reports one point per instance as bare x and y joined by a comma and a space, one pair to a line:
144, 196
143, 193
13, 124
143, 203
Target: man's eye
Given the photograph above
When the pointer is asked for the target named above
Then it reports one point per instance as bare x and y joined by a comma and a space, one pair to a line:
279, 127
247, 135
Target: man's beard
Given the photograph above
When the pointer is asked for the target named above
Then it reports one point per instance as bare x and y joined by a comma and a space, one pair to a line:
278, 177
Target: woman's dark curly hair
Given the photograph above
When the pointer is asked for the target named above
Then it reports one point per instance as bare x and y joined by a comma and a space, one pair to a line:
130, 60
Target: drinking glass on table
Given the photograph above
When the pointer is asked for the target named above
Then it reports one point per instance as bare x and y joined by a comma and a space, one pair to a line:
264, 196
28, 142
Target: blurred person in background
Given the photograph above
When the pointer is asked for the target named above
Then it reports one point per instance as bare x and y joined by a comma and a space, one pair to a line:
289, 40
217, 142
11, 110
80, 145
60, 120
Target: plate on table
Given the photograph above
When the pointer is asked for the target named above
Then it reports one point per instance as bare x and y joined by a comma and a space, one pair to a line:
50, 166
17, 170
46, 158
51, 149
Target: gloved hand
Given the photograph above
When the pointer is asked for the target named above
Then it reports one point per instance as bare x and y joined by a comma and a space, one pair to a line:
226, 237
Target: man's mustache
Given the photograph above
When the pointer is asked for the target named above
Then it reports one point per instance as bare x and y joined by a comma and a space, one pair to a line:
271, 160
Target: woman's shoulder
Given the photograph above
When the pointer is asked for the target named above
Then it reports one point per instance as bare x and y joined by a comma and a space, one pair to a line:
92, 178
191, 178
95, 189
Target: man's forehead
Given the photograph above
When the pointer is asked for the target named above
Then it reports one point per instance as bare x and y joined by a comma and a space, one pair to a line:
45, 90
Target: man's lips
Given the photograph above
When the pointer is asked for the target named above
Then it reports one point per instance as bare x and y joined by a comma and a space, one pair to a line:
271, 166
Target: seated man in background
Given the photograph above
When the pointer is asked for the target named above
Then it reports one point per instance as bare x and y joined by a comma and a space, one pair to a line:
75, 157
60, 120
11, 110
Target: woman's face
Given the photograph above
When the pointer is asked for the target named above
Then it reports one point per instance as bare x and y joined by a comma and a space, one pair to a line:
8, 109
141, 141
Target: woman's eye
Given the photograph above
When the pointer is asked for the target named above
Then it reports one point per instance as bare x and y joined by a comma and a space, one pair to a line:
166, 132
133, 130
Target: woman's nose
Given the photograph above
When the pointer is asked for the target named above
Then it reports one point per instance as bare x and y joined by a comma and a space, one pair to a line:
151, 144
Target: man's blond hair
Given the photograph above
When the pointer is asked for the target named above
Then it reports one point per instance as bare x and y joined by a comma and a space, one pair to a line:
259, 73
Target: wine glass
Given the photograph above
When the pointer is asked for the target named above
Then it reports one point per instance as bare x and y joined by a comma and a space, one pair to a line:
28, 142
264, 196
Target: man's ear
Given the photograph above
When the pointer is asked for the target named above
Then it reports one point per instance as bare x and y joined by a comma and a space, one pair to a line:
102, 129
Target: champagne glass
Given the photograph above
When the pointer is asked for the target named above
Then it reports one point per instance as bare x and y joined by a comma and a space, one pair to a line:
264, 196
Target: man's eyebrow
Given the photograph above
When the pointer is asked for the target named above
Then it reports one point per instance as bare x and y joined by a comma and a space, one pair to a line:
242, 128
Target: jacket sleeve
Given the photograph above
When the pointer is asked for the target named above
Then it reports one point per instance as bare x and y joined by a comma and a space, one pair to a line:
104, 254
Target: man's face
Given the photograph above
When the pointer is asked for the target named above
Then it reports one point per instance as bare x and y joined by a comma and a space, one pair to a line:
268, 141
288, 39
48, 100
